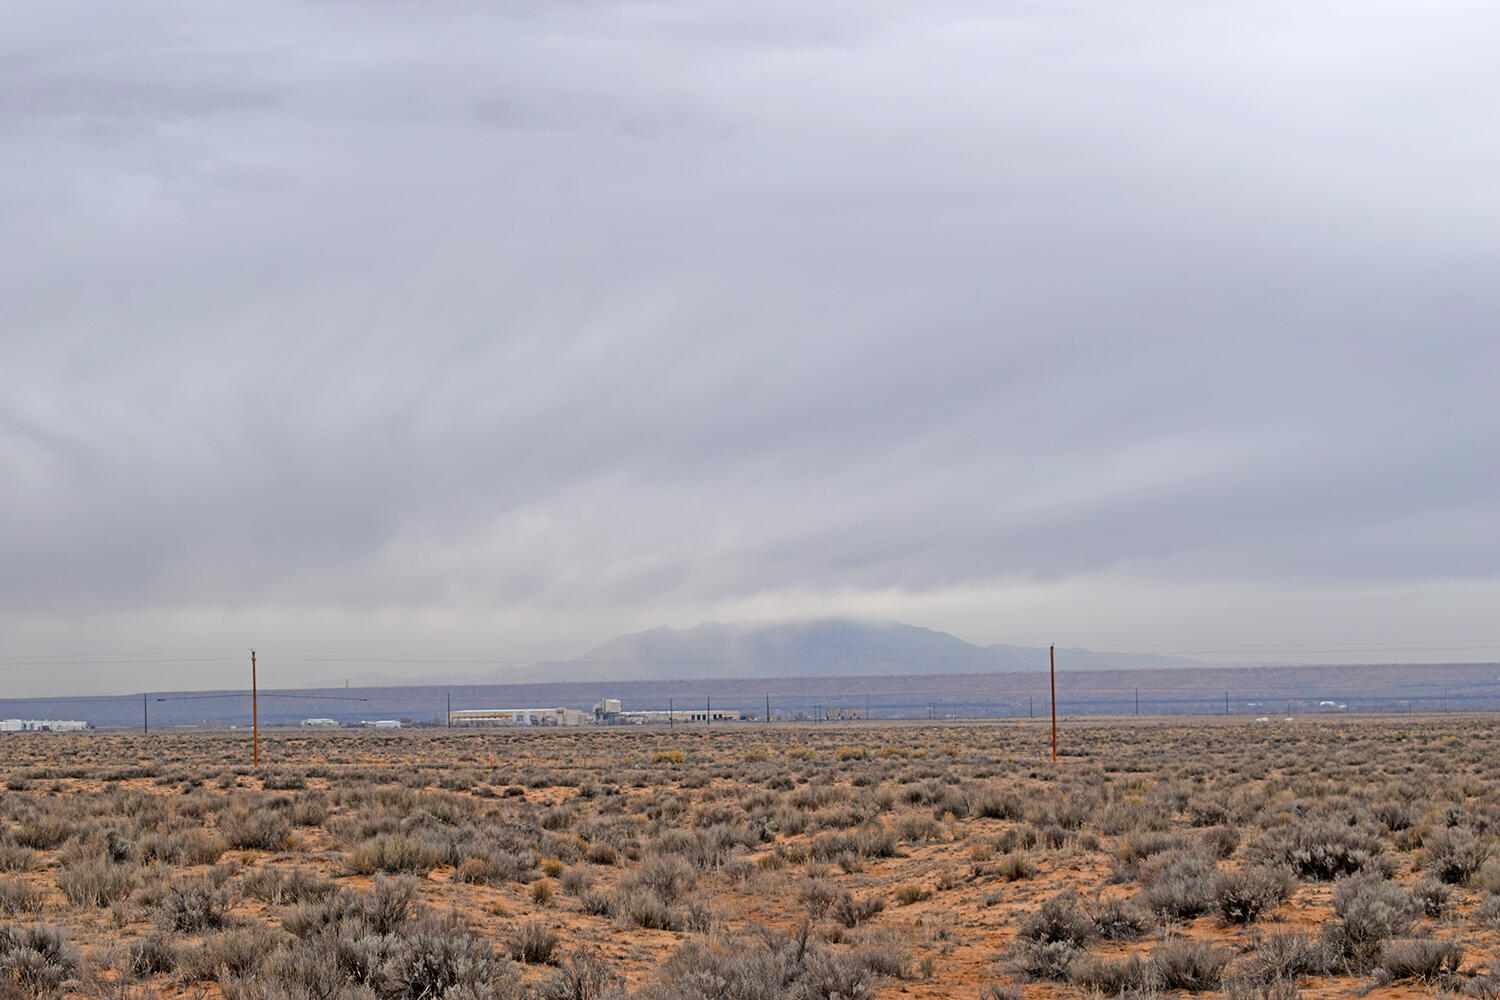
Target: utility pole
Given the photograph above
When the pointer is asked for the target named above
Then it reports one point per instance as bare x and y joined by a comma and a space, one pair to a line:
145, 716
671, 715
1052, 659
1226, 702
1031, 708
1137, 701
254, 711
708, 711
768, 706
450, 709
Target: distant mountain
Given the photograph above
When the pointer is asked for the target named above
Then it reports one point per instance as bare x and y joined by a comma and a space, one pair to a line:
817, 648
822, 647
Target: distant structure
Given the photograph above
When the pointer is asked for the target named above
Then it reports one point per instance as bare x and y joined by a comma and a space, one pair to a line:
42, 726
321, 723
387, 724
471, 717
653, 715
607, 712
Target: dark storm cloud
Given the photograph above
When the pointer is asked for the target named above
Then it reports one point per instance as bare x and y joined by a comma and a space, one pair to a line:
605, 308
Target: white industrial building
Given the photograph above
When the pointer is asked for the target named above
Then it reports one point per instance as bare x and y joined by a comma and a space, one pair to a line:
607, 711
42, 726
685, 715
519, 717
321, 723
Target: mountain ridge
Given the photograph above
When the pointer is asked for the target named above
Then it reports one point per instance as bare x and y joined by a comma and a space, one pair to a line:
812, 647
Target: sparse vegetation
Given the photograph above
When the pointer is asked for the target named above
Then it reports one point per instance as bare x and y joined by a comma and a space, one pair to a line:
832, 863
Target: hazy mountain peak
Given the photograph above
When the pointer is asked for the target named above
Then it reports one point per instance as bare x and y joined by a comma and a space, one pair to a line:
819, 646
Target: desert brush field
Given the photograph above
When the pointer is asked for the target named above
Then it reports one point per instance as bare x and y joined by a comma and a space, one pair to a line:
1319, 857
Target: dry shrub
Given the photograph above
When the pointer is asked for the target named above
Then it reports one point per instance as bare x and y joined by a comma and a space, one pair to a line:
382, 911
1453, 855
1052, 937
1044, 961
183, 847
96, 882
1014, 867
286, 885
767, 967
18, 897
36, 961
1178, 883
44, 832
576, 881
1430, 960
851, 910
1283, 957
192, 906
255, 829
439, 955
1121, 920
1220, 841
534, 943
152, 955
1185, 964
1322, 849
1370, 910
15, 857
908, 893
1240, 897
1137, 847
665, 876
1433, 896
581, 976
232, 953
601, 854
396, 853
1111, 977
1001, 991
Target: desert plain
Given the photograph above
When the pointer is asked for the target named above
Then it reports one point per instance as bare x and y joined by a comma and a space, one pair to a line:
1315, 856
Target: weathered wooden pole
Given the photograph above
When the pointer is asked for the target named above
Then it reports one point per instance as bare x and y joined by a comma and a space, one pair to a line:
254, 711
1052, 657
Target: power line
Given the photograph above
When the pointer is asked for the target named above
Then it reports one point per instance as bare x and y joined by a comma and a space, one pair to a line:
246, 694
61, 662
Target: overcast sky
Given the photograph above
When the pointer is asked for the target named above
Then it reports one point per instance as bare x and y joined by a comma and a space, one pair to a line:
490, 331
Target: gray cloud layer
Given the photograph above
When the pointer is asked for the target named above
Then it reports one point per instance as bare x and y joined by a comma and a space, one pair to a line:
479, 327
